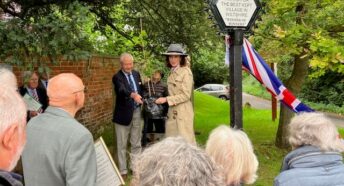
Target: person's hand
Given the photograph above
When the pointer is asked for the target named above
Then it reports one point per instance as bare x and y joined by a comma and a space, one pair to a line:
161, 100
137, 98
33, 114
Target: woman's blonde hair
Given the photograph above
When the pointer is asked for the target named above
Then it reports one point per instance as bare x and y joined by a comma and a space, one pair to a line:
314, 129
233, 150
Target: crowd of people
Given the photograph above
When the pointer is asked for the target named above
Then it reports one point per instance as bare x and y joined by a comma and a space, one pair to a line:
57, 150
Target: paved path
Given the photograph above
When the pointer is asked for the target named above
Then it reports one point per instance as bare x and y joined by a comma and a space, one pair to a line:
255, 102
260, 103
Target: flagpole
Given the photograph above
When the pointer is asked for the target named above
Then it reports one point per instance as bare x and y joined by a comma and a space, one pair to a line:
273, 99
235, 74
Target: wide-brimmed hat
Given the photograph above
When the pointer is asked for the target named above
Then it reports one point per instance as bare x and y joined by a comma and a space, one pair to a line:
176, 50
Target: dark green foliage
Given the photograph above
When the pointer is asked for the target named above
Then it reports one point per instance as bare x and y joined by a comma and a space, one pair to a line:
301, 35
24, 41
173, 21
142, 27
209, 67
328, 89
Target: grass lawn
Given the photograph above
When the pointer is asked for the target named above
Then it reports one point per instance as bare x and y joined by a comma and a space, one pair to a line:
252, 86
211, 112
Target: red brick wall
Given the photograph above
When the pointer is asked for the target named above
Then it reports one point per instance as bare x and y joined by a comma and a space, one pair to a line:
96, 74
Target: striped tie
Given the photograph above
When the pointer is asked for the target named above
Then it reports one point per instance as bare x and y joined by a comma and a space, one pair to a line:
34, 94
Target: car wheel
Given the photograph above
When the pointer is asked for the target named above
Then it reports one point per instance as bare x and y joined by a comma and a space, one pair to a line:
223, 97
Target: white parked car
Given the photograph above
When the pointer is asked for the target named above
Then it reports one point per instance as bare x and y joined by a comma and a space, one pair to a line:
217, 90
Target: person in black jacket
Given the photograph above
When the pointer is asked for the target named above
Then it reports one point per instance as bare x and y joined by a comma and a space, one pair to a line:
127, 116
154, 89
30, 87
43, 78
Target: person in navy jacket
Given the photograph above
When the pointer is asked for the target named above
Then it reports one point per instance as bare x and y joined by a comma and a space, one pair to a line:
127, 115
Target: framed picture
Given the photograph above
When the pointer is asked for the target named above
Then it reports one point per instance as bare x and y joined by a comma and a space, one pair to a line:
107, 171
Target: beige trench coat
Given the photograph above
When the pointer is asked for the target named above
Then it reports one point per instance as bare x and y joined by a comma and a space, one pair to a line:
180, 113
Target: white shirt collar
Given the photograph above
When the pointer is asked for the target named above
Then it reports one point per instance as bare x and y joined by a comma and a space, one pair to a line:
173, 69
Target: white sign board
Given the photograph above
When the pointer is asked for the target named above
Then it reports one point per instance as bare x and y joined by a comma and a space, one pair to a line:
31, 103
107, 172
236, 13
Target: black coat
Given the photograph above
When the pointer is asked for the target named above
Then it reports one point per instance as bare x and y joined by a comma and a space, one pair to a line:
124, 107
41, 85
157, 90
42, 95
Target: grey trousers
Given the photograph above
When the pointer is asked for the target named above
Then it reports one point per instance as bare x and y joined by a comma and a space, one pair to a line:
122, 133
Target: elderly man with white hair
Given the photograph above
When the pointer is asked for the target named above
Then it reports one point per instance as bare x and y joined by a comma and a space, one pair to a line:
31, 88
316, 157
60, 150
127, 115
12, 133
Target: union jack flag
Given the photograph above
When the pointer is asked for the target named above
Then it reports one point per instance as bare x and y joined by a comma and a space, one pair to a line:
256, 66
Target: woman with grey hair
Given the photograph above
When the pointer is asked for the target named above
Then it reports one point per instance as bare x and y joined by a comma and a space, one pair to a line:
316, 157
8, 79
174, 162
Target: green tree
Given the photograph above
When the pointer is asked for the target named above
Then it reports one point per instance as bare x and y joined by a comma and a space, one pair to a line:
143, 27
73, 29
25, 40
153, 25
301, 34
210, 67
327, 89
178, 21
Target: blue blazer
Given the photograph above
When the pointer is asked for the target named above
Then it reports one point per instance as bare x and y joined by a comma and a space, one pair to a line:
124, 107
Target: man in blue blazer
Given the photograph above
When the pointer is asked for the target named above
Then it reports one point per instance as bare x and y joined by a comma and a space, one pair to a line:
127, 116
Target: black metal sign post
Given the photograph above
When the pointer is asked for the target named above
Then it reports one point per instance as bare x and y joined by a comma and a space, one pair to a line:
235, 75
234, 17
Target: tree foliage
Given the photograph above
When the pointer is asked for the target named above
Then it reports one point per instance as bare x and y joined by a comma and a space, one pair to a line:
78, 27
210, 67
174, 21
301, 34
329, 89
306, 29
26, 39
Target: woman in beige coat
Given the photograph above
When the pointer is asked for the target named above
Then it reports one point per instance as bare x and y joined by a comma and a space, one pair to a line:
180, 82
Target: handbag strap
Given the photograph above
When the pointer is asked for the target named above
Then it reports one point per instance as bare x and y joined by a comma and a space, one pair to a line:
149, 88
153, 88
